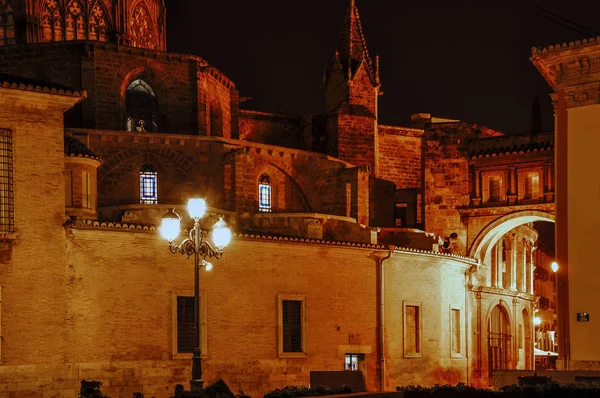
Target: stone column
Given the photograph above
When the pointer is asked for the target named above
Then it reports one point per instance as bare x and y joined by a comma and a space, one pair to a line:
512, 186
520, 264
476, 193
512, 270
530, 269
499, 250
548, 182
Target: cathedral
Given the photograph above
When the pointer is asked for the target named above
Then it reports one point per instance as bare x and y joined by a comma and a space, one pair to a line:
406, 254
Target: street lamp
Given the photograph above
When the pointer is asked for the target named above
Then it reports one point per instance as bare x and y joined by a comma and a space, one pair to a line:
554, 267
197, 245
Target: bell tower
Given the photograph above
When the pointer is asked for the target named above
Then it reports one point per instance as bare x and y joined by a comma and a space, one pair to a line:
352, 88
137, 23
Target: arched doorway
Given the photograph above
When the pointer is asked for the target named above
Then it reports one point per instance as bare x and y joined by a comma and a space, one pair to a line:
499, 340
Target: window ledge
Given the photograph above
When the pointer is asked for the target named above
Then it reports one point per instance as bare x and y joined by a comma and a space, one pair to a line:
8, 236
293, 355
413, 355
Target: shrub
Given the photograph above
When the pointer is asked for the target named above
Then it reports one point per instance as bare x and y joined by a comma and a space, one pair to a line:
218, 389
302, 391
91, 389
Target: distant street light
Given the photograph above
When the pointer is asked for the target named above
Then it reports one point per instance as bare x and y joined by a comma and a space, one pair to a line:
537, 321
554, 266
197, 245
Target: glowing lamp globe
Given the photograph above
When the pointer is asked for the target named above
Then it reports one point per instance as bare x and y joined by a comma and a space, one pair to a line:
537, 320
207, 266
554, 266
196, 208
221, 234
170, 227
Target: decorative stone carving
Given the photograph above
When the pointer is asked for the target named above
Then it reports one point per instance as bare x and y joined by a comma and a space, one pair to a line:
142, 29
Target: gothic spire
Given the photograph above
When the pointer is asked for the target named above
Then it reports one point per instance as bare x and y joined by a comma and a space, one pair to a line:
353, 47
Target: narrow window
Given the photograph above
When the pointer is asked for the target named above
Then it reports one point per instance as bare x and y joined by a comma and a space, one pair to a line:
455, 331
348, 199
87, 190
148, 185
141, 107
400, 214
495, 183
292, 325
68, 188
532, 184
264, 194
186, 328
412, 330
6, 182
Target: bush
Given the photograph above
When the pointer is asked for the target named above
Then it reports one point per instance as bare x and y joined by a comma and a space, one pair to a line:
302, 391
218, 389
91, 389
552, 390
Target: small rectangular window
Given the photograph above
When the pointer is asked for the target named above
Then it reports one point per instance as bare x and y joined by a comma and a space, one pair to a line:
348, 199
354, 362
6, 182
87, 190
292, 325
413, 339
455, 332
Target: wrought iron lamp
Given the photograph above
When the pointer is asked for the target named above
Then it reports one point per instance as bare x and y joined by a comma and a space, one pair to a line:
196, 244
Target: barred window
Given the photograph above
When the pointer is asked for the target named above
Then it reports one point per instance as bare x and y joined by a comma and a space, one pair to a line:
148, 185
264, 194
495, 187
88, 194
532, 184
186, 326
6, 182
413, 327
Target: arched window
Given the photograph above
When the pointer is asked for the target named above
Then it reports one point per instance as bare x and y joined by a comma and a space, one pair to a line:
148, 185
141, 107
264, 194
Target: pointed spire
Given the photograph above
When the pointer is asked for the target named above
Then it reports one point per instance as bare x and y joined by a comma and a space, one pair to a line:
353, 47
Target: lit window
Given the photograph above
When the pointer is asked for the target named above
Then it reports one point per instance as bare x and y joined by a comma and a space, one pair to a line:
6, 182
148, 185
141, 107
532, 186
292, 325
264, 194
354, 361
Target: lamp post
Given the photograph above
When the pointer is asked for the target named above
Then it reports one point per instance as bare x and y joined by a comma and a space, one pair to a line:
197, 245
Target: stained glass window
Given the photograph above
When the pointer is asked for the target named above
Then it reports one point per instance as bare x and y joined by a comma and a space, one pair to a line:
148, 185
264, 194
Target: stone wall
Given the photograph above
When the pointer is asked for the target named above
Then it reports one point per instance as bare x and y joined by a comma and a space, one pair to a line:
401, 156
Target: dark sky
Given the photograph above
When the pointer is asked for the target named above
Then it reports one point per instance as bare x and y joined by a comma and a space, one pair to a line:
465, 60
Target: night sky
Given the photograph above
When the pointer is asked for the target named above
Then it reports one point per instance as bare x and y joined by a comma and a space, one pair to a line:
466, 60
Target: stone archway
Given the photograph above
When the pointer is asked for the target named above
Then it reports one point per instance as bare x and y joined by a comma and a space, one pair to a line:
489, 235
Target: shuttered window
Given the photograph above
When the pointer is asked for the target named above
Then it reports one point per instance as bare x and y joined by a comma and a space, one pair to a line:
292, 325
186, 328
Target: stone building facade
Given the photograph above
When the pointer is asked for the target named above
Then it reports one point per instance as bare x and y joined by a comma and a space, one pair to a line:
407, 252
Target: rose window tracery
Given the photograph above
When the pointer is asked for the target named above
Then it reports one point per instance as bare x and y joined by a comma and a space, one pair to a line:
142, 28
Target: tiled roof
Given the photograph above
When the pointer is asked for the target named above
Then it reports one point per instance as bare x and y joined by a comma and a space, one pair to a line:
95, 224
537, 51
74, 147
511, 145
27, 84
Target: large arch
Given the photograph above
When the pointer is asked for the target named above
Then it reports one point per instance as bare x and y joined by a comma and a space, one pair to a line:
489, 235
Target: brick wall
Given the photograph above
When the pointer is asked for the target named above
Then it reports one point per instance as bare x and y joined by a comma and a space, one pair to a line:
186, 87
32, 276
272, 129
400, 156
